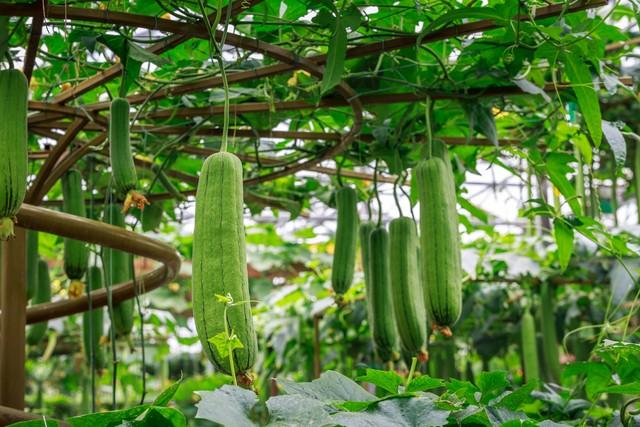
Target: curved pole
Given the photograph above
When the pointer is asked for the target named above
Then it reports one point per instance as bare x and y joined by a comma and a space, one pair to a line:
90, 231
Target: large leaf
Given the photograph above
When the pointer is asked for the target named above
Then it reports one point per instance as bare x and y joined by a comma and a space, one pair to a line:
417, 411
330, 387
335, 57
296, 411
228, 405
580, 76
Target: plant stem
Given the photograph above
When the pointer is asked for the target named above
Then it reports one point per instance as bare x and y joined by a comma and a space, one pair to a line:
412, 370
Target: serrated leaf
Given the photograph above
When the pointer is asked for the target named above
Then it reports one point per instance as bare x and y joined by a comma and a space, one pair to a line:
330, 387
597, 376
387, 380
225, 345
491, 384
236, 402
424, 383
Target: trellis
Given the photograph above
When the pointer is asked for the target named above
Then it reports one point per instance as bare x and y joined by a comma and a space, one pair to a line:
51, 118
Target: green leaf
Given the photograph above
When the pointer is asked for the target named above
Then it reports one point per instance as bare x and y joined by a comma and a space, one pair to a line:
557, 168
142, 55
563, 233
159, 416
481, 214
631, 389
335, 57
400, 411
424, 383
462, 13
581, 141
225, 345
290, 410
237, 403
616, 141
386, 380
108, 419
597, 376
330, 387
352, 17
481, 120
165, 397
580, 76
513, 400
491, 384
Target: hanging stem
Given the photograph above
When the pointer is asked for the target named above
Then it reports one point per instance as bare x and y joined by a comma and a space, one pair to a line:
216, 54
395, 194
375, 188
405, 176
339, 171
428, 136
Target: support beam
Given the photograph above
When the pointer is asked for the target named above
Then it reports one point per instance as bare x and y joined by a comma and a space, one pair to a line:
335, 102
13, 303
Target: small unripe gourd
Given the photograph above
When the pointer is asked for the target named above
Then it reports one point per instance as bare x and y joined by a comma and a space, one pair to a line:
117, 270
529, 347
383, 326
406, 285
344, 255
76, 253
122, 165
